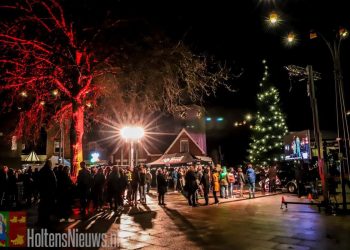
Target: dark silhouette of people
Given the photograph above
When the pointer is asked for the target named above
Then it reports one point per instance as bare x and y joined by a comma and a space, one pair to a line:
299, 179
272, 179
47, 191
84, 183
64, 194
114, 188
97, 189
135, 182
205, 181
161, 187
28, 185
191, 186
3, 185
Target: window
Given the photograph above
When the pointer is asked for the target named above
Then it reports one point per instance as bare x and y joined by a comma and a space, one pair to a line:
14, 143
56, 146
184, 146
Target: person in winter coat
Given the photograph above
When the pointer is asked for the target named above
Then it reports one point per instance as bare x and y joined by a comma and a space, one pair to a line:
231, 182
205, 182
241, 180
84, 183
223, 183
64, 195
215, 184
135, 182
47, 191
191, 186
97, 189
148, 180
114, 188
251, 181
175, 176
142, 187
161, 187
28, 185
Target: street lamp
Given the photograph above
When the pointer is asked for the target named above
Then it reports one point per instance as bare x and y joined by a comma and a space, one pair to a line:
132, 134
334, 48
273, 18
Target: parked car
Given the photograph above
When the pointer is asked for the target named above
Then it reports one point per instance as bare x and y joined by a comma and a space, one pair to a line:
286, 180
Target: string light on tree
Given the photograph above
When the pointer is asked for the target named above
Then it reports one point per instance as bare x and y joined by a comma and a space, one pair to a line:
24, 94
55, 92
270, 127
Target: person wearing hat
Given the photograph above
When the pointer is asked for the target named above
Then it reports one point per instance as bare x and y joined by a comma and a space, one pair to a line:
241, 180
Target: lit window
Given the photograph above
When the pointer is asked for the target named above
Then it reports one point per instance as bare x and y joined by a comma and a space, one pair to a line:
56, 147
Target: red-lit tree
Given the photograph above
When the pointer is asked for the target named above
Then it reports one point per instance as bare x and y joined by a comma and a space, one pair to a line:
44, 62
58, 75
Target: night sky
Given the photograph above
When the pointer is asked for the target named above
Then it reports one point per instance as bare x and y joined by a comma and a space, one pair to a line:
235, 33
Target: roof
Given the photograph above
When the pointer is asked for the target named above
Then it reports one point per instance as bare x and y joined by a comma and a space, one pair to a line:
184, 131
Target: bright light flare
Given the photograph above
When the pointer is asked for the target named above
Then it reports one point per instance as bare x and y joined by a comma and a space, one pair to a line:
132, 133
343, 33
291, 37
248, 117
273, 19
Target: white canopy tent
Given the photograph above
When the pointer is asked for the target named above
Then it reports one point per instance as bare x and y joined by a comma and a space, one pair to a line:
32, 157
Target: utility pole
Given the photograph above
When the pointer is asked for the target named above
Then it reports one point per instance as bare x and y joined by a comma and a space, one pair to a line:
322, 167
334, 48
311, 76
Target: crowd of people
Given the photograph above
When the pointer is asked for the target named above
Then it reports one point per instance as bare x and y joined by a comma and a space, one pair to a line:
196, 181
114, 187
53, 190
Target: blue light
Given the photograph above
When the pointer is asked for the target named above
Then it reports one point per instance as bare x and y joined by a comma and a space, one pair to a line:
208, 119
95, 157
219, 119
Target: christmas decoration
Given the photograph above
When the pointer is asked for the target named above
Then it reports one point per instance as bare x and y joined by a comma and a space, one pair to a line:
269, 126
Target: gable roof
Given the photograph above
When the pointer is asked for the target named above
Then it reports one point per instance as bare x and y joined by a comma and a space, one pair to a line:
184, 131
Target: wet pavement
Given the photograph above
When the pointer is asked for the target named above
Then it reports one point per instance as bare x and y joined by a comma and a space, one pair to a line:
261, 224
233, 224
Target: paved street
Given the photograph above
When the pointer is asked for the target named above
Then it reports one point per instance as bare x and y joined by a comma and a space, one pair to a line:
261, 224
233, 224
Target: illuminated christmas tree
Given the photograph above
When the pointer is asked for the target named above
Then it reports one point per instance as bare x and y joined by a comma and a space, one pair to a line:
269, 125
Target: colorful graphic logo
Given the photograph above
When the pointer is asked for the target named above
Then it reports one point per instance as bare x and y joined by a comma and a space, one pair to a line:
13, 229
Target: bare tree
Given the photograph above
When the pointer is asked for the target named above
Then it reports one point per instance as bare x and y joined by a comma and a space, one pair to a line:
59, 74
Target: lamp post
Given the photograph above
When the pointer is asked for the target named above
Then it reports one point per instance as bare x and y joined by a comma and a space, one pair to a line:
334, 48
132, 134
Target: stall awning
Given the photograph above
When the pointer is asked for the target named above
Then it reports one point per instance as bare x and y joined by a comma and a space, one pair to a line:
32, 157
174, 159
204, 158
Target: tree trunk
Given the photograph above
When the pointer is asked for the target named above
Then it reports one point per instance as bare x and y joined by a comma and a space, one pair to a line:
76, 138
